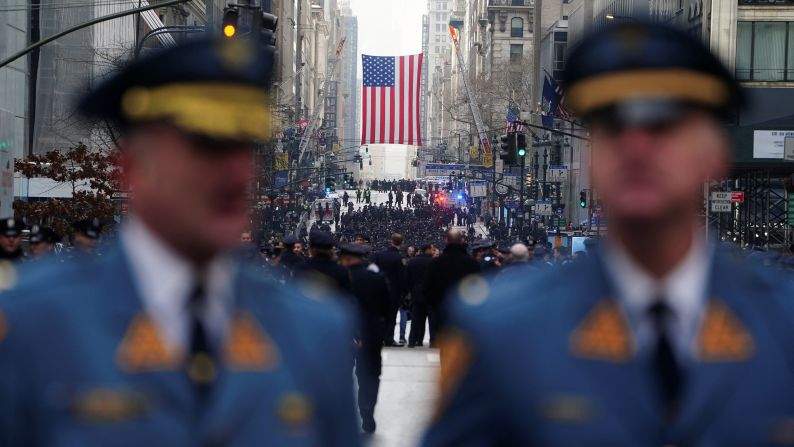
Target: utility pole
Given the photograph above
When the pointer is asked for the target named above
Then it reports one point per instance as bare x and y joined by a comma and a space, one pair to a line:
210, 4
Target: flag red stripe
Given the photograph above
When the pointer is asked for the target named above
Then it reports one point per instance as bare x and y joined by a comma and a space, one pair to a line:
372, 114
418, 99
402, 103
391, 116
410, 103
382, 94
364, 120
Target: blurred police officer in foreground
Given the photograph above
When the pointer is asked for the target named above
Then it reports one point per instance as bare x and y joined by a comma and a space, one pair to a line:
42, 241
372, 299
656, 340
166, 340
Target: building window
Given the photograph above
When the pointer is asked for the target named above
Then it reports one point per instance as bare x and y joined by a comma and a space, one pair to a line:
516, 53
765, 51
518, 2
517, 27
559, 57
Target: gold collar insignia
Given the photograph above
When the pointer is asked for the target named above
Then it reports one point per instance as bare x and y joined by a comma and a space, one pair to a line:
248, 347
723, 337
108, 405
294, 410
142, 349
604, 334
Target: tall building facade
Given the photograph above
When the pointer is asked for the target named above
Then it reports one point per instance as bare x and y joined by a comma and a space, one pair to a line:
14, 82
755, 40
439, 71
352, 106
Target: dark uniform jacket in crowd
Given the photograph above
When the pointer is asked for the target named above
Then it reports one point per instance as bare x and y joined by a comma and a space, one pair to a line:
327, 272
291, 261
372, 299
445, 271
416, 272
390, 262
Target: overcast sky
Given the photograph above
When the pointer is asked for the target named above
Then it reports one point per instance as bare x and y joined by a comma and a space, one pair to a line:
390, 28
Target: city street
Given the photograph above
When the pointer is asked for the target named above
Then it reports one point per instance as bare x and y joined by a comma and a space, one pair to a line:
407, 395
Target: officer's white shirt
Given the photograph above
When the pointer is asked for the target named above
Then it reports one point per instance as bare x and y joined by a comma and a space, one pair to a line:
684, 290
165, 281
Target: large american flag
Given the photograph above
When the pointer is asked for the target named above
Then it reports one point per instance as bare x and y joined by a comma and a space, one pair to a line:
390, 100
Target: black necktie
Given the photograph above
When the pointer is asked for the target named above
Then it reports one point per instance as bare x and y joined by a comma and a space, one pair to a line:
201, 366
669, 378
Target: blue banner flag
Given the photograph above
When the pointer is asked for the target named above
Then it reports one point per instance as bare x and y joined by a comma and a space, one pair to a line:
551, 99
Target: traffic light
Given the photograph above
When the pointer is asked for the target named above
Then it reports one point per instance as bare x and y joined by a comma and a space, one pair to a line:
582, 199
330, 184
507, 146
267, 26
231, 18
521, 145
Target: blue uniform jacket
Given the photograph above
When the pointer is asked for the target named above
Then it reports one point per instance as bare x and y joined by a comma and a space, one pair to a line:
549, 360
82, 365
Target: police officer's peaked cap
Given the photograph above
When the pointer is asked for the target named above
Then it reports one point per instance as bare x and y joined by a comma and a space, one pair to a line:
90, 228
482, 244
641, 73
11, 227
208, 87
290, 240
322, 239
355, 249
43, 234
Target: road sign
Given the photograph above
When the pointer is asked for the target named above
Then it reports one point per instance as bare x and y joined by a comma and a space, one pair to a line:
543, 208
720, 196
720, 207
478, 189
119, 195
558, 172
721, 201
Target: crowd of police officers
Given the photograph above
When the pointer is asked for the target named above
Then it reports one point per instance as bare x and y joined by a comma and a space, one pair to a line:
655, 337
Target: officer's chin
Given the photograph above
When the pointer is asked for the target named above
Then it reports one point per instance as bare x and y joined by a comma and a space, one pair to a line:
638, 207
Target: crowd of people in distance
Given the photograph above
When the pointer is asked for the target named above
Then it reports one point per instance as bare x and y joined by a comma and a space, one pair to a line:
393, 185
420, 224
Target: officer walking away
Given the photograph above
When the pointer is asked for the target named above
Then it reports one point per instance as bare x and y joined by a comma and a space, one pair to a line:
372, 299
86, 236
390, 262
42, 241
443, 275
658, 338
416, 274
168, 339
